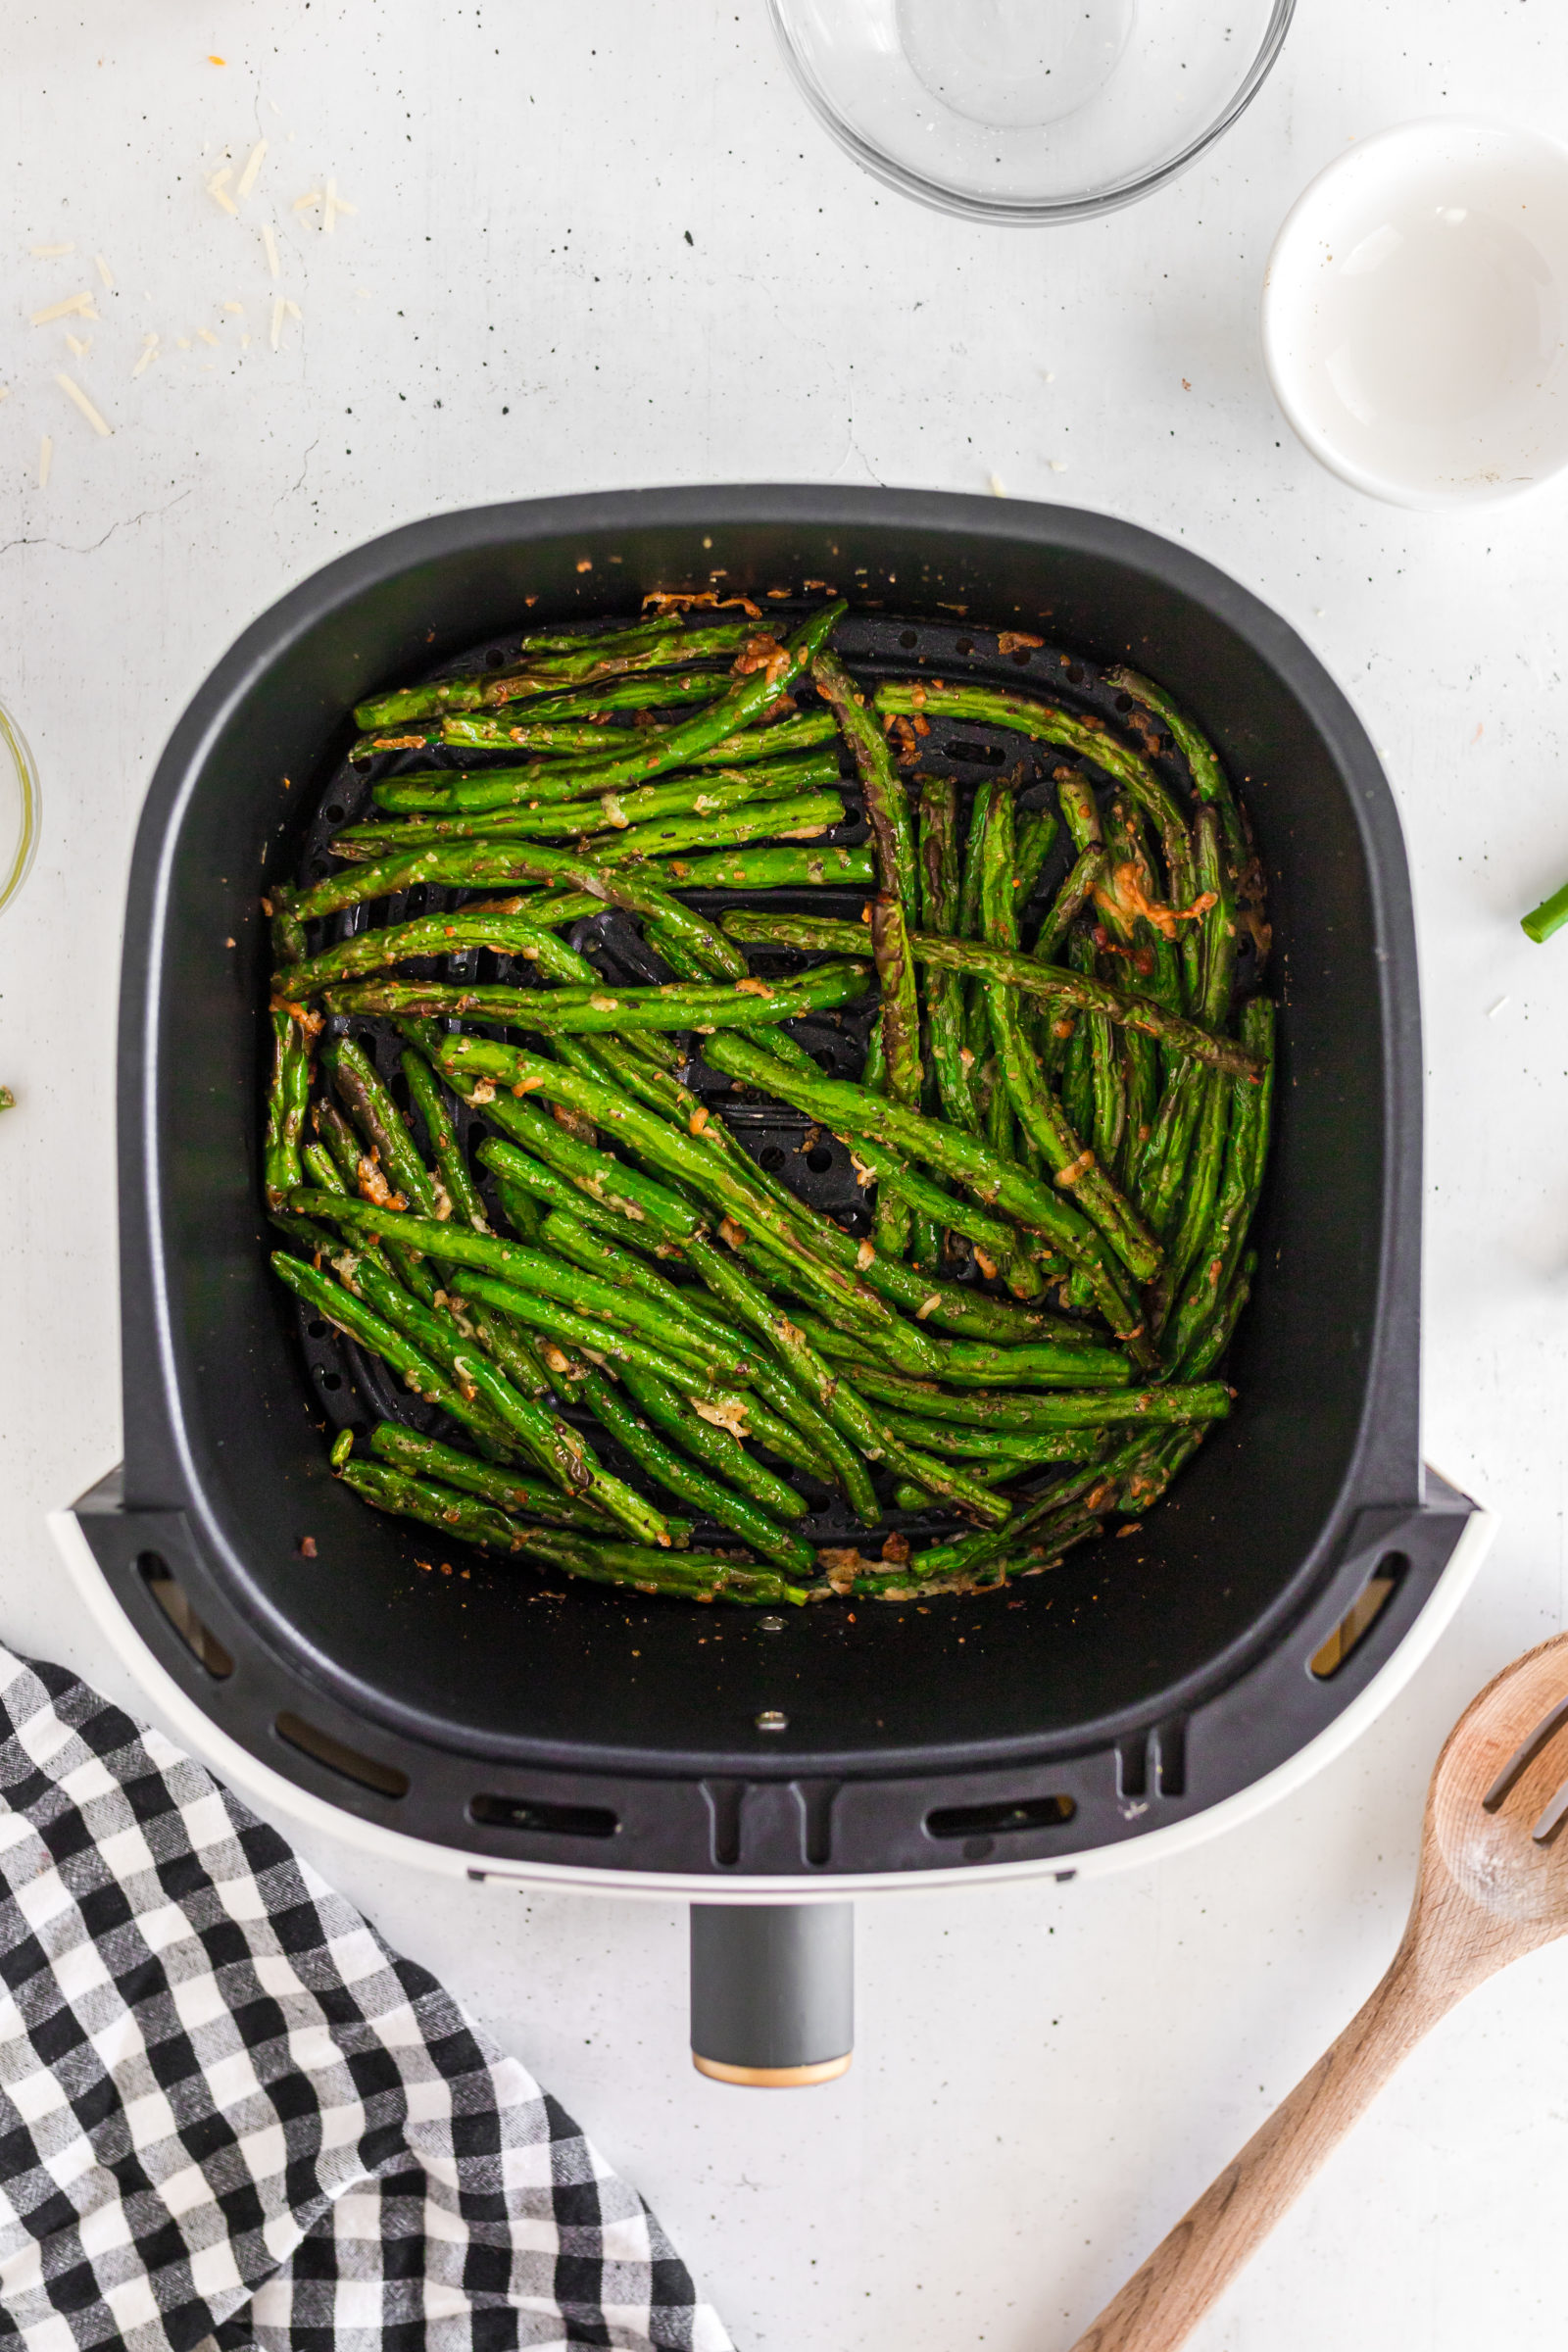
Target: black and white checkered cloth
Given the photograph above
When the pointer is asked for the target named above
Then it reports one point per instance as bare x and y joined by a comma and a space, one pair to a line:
227, 2111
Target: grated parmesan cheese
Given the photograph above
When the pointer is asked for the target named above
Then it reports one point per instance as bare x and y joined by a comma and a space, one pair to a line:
293, 309
50, 253
253, 164
5, 391
332, 204
182, 342
308, 201
218, 190
149, 352
103, 269
46, 458
79, 305
269, 246
74, 343
996, 490
74, 391
239, 306
205, 334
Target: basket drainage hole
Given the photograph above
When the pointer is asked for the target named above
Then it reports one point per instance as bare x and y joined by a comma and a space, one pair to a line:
384, 1779
978, 754
1360, 1617
993, 1821
909, 637
819, 1159
772, 1158
204, 1646
330, 1379
543, 1820
335, 815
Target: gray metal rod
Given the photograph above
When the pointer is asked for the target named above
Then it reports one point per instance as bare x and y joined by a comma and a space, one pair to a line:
772, 1993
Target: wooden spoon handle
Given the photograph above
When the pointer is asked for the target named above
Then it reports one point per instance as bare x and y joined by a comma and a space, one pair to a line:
1160, 2306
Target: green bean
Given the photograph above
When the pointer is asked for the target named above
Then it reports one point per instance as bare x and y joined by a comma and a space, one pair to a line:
1217, 965
1164, 1162
887, 804
683, 1478
437, 935
1037, 830
686, 1576
338, 1306
1060, 1408
285, 1103
470, 864
431, 794
534, 1270
966, 1365
556, 1446
653, 692
712, 1444
847, 1414
1028, 1202
943, 990
1041, 722
750, 698
1202, 1182
1020, 1449
1209, 1345
549, 814
700, 1164
406, 1449
1068, 904
613, 1010
1048, 981
1035, 1109
1236, 1196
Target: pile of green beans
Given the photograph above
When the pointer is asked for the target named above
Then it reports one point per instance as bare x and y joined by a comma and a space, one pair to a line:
1061, 1126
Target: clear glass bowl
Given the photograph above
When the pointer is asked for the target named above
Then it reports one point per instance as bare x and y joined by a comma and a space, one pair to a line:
1029, 109
19, 808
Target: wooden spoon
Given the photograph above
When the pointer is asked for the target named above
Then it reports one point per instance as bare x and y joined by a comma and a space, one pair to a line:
1493, 1885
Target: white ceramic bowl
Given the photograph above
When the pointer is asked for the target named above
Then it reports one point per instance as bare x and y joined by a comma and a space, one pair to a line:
1415, 312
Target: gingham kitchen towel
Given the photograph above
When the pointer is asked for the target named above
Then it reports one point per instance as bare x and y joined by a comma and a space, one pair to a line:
227, 2111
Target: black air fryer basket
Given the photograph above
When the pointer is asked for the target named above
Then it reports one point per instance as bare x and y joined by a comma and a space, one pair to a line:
489, 1709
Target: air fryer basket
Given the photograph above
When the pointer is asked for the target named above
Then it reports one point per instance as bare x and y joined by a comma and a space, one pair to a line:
502, 1712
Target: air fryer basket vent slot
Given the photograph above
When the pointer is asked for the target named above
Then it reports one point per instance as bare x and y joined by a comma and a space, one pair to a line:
1360, 1617
170, 1595
994, 1821
541, 1820
386, 1779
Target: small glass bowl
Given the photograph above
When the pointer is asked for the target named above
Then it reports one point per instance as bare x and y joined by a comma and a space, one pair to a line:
18, 809
1028, 110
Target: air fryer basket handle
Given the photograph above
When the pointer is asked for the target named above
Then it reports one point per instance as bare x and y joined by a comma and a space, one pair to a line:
772, 1993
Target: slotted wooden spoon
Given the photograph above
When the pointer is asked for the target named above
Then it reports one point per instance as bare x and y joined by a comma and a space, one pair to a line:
1493, 1885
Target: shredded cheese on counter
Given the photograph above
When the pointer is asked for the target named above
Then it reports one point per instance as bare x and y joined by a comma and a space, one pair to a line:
253, 164
74, 391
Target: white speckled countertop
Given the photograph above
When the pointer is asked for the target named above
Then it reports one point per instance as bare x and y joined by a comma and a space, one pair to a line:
616, 251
